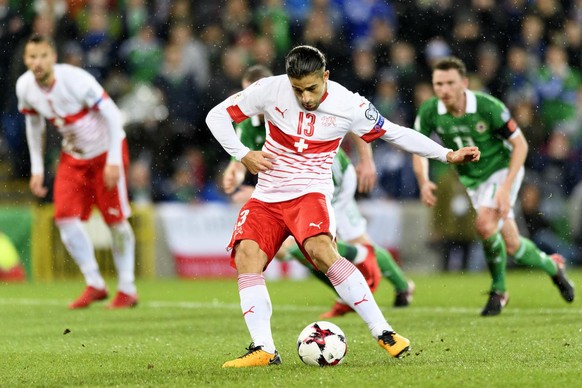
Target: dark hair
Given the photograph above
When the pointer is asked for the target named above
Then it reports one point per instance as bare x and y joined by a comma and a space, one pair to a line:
303, 61
38, 38
451, 63
256, 72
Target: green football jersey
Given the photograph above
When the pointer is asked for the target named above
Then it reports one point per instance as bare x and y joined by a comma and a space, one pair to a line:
251, 133
481, 126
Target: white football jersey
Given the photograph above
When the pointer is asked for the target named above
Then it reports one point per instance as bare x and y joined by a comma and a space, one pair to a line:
306, 142
71, 105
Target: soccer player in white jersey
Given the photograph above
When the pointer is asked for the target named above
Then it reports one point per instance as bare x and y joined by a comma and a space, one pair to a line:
307, 116
92, 166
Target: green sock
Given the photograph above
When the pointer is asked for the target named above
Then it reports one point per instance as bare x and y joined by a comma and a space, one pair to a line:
529, 254
496, 258
390, 270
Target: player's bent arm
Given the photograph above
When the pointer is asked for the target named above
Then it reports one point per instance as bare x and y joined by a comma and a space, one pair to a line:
220, 124
518, 156
35, 128
112, 116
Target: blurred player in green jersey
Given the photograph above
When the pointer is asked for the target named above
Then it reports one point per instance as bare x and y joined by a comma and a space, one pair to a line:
461, 117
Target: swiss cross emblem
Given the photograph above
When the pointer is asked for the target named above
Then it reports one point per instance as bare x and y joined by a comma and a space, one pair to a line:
301, 145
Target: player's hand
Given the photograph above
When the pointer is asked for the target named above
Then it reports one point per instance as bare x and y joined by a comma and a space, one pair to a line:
503, 202
37, 186
366, 173
427, 193
258, 161
110, 176
233, 176
464, 155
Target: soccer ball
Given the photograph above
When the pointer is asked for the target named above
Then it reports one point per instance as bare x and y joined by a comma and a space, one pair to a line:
322, 343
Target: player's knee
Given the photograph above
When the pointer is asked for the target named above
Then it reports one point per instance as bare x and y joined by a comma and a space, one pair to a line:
249, 258
485, 227
321, 250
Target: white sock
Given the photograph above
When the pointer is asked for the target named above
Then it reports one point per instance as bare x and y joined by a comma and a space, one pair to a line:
256, 308
79, 245
361, 255
354, 291
123, 249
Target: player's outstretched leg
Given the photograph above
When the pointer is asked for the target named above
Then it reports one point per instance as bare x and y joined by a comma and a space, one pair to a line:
353, 289
256, 308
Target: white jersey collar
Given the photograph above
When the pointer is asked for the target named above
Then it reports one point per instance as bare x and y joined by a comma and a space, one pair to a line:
471, 106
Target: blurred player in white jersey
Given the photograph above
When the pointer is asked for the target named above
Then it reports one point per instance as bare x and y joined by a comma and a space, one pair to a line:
307, 116
92, 166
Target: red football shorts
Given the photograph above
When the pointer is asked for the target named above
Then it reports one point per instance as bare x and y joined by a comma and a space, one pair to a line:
79, 185
269, 224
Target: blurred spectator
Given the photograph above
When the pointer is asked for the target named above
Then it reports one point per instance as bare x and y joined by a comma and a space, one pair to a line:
532, 127
194, 58
403, 64
531, 37
263, 53
189, 182
237, 22
12, 30
493, 21
321, 33
573, 42
234, 61
388, 101
557, 84
142, 55
97, 44
271, 20
363, 72
465, 38
102, 7
517, 77
435, 49
180, 93
558, 166
488, 67
360, 15
139, 183
551, 14
381, 38
135, 16
66, 28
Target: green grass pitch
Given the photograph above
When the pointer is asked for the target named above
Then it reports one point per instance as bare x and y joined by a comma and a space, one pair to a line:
183, 330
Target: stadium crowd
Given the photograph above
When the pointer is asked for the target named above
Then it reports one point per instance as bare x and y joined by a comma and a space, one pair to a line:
167, 62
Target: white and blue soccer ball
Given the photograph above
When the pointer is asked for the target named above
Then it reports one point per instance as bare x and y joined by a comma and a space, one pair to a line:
322, 343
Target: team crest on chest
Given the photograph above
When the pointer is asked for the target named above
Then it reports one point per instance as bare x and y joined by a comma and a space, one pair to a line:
328, 121
481, 127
